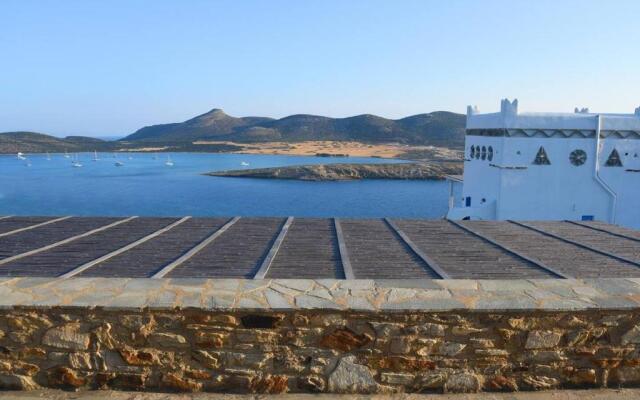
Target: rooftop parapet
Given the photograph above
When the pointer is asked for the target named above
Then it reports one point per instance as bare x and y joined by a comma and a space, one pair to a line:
359, 295
581, 119
327, 335
509, 108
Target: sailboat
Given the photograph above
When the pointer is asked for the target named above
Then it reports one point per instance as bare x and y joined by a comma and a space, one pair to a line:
21, 156
48, 156
169, 163
66, 155
244, 164
95, 156
118, 163
76, 163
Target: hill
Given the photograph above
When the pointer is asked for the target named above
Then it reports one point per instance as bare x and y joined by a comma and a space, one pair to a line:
32, 142
212, 124
437, 128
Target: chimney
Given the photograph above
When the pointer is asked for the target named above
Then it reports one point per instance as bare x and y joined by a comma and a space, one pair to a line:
471, 110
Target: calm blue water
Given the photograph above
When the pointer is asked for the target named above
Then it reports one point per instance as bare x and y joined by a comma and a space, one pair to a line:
147, 187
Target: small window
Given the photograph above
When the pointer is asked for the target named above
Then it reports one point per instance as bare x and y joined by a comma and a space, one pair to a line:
541, 157
484, 153
614, 159
587, 218
477, 152
490, 154
473, 152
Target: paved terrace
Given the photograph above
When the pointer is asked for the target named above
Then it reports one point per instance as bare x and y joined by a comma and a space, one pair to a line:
308, 248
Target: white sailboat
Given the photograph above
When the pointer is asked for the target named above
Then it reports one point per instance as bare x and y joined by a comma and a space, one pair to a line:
66, 155
48, 156
95, 156
21, 156
169, 163
118, 163
244, 164
76, 163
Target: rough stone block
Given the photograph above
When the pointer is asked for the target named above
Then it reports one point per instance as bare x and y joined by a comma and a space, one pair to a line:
542, 339
168, 340
67, 337
392, 378
463, 383
349, 377
17, 382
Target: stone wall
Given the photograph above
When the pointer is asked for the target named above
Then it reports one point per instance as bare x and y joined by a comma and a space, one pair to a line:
315, 351
341, 336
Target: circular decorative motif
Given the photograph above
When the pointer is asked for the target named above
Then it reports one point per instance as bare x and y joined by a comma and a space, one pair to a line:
484, 153
490, 154
473, 152
578, 157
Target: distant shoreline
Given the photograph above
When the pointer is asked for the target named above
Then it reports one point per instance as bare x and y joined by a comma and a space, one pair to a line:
305, 148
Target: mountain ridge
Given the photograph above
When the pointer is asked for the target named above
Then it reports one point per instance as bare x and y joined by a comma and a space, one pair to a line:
440, 128
34, 142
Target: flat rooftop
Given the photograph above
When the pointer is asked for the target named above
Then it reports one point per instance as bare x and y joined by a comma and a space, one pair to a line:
314, 248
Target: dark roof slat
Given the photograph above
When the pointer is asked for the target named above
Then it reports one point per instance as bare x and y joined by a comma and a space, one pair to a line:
576, 243
511, 251
273, 251
430, 263
620, 235
26, 228
121, 250
347, 269
65, 241
194, 250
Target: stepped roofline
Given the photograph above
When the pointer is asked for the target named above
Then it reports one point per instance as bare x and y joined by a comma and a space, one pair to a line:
509, 117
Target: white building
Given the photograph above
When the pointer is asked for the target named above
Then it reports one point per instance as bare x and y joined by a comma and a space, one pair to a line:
551, 166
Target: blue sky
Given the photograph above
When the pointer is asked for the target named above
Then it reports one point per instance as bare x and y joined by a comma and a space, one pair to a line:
111, 67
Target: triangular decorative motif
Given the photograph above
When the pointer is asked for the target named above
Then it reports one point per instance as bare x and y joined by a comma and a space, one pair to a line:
541, 157
614, 159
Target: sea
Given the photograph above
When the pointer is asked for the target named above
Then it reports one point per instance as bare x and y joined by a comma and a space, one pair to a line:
145, 186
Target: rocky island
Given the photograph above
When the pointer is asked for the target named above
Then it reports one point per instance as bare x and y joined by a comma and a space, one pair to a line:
341, 172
